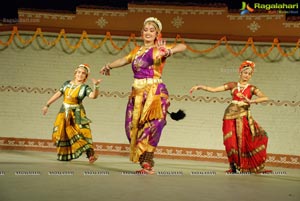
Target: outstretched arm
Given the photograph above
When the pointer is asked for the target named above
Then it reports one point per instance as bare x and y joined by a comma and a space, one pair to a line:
56, 96
95, 93
178, 48
105, 70
207, 88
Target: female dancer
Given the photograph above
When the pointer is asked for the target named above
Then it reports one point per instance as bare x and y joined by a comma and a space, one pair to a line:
71, 132
245, 141
148, 103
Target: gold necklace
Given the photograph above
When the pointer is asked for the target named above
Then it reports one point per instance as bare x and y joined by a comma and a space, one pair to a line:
138, 62
71, 91
240, 92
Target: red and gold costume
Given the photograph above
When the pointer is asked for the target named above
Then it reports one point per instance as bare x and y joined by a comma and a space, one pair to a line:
245, 141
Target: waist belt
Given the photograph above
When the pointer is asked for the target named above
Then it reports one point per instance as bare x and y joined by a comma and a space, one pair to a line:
239, 103
140, 83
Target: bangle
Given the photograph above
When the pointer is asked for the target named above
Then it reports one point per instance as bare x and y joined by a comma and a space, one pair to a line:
109, 67
47, 105
169, 53
96, 86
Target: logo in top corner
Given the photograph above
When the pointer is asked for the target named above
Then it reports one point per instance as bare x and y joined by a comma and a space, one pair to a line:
245, 9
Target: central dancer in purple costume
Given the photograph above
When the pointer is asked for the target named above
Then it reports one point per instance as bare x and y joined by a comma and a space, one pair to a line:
148, 103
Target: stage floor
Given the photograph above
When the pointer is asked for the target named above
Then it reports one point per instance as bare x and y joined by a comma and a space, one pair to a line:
38, 176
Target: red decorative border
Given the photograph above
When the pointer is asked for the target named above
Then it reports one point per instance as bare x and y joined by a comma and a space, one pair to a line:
210, 155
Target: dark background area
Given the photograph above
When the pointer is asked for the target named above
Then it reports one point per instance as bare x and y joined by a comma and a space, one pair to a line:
9, 9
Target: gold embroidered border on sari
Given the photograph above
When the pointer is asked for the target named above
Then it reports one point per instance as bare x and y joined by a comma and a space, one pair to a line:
237, 111
142, 114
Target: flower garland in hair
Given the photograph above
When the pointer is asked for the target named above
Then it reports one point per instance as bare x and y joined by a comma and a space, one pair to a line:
247, 64
155, 20
86, 67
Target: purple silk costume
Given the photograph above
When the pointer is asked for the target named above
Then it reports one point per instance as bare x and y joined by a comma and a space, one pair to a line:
148, 103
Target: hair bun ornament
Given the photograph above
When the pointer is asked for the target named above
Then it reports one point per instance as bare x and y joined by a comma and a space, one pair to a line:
180, 114
155, 20
85, 66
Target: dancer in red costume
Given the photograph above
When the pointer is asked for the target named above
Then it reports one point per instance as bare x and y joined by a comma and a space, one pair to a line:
245, 141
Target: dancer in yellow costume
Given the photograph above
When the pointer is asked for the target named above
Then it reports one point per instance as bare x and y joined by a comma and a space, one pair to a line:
71, 133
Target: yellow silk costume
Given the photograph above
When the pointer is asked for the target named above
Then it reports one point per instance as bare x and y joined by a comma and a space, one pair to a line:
71, 132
